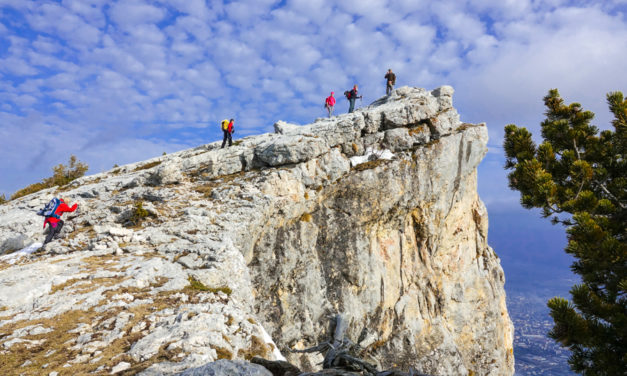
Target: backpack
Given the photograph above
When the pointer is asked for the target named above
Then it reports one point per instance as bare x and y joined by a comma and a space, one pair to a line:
50, 209
347, 94
225, 125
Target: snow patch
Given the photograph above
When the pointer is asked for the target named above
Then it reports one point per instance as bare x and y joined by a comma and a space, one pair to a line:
371, 154
13, 257
267, 339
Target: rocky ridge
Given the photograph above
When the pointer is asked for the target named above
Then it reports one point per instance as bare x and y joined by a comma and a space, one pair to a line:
211, 253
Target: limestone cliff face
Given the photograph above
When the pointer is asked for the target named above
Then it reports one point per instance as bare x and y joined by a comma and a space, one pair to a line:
373, 214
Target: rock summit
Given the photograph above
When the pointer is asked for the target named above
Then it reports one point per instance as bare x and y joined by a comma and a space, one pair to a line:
215, 254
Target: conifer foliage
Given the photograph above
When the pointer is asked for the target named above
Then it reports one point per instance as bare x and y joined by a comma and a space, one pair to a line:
578, 177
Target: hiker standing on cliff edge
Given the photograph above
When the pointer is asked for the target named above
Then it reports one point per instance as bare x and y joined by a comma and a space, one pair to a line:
352, 97
329, 103
391, 81
227, 128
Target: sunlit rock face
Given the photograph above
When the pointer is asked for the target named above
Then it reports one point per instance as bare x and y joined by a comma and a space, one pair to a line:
250, 250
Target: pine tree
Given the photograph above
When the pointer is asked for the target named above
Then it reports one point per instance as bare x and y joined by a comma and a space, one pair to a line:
62, 175
578, 177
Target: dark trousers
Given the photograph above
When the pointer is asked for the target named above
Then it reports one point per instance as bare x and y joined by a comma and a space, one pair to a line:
227, 136
351, 108
54, 232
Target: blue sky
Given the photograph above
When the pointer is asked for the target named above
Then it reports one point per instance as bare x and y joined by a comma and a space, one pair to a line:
115, 82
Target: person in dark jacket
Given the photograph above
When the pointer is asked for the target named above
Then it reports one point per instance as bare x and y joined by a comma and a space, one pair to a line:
55, 223
352, 97
391, 81
227, 128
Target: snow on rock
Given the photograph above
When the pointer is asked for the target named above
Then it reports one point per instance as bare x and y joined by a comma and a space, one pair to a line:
371, 155
11, 258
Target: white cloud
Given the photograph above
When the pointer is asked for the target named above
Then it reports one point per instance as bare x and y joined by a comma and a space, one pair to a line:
130, 13
186, 26
463, 27
145, 33
502, 9
196, 8
56, 19
46, 45
17, 66
245, 12
568, 49
90, 10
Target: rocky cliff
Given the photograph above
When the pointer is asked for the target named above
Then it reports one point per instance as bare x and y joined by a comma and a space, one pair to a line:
213, 253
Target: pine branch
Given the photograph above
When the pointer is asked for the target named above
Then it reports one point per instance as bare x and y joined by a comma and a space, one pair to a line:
604, 188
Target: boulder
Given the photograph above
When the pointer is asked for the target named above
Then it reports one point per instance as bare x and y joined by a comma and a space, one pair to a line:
14, 243
290, 149
166, 173
225, 367
282, 127
406, 139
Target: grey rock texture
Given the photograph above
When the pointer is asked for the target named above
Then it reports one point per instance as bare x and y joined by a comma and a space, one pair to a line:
227, 368
248, 251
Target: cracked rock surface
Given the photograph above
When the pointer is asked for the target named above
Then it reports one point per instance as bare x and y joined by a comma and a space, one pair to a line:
209, 253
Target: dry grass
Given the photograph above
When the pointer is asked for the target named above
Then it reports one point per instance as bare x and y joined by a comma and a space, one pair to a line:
93, 264
230, 320
258, 348
86, 229
62, 286
419, 129
196, 285
204, 190
464, 126
147, 166
370, 165
60, 346
90, 285
223, 353
432, 142
20, 261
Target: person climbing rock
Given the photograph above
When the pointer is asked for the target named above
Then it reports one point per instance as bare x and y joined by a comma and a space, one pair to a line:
227, 128
329, 103
52, 213
391, 81
351, 96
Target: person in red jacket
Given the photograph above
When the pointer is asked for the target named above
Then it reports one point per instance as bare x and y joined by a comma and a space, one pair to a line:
329, 103
56, 224
228, 133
